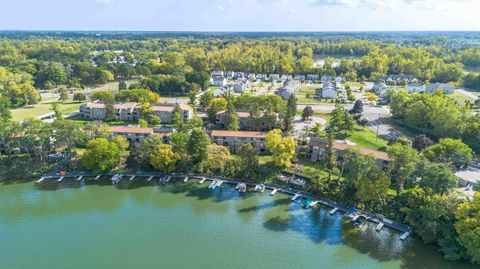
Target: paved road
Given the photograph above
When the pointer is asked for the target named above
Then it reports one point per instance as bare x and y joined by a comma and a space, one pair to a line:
301, 125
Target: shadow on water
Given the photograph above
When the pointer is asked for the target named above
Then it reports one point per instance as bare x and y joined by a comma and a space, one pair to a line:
280, 215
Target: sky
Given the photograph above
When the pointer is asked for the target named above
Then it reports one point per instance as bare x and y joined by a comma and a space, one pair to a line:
241, 15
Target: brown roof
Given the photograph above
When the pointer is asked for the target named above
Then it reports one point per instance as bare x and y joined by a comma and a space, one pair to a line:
343, 146
129, 105
170, 107
238, 134
127, 129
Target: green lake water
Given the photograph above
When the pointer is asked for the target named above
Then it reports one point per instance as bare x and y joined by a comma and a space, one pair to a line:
187, 225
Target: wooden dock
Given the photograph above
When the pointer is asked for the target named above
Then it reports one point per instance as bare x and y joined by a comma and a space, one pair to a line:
218, 181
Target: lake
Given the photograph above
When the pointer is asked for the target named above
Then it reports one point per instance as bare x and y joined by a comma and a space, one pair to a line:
186, 225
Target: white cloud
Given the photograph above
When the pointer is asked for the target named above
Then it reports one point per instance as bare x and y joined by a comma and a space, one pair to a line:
219, 7
443, 5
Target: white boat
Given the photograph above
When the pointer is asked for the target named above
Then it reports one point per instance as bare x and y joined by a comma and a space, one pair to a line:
274, 191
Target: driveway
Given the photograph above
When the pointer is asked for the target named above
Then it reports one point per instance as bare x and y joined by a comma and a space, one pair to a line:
300, 125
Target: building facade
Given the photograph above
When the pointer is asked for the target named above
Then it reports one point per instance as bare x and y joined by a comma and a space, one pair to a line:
233, 140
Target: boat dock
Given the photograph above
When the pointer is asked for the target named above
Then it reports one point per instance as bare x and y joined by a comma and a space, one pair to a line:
295, 197
333, 211
380, 221
404, 235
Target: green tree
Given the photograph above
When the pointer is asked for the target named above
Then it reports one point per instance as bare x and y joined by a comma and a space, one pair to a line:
56, 109
290, 112
63, 92
101, 155
330, 155
122, 85
248, 162
437, 178
121, 142
216, 105
307, 113
403, 163
468, 227
432, 217
197, 145
68, 134
282, 148
79, 97
163, 158
5, 114
341, 120
206, 99
232, 121
450, 151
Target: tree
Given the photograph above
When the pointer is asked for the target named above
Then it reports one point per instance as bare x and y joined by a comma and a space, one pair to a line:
231, 120
178, 121
197, 145
63, 94
248, 162
468, 227
363, 175
68, 134
282, 148
357, 107
101, 155
437, 178
206, 99
450, 151
163, 158
122, 85
290, 112
79, 97
103, 96
432, 217
217, 162
421, 142
403, 163
121, 142
307, 113
363, 122
216, 105
5, 114
56, 109
341, 120
51, 73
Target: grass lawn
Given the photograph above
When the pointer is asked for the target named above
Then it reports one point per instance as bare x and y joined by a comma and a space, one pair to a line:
40, 109
461, 98
365, 138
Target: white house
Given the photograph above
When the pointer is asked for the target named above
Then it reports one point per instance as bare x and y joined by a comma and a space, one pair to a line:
380, 88
219, 81
414, 87
274, 77
240, 85
445, 87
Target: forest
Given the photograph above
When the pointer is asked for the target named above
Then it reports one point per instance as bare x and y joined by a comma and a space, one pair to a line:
177, 64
